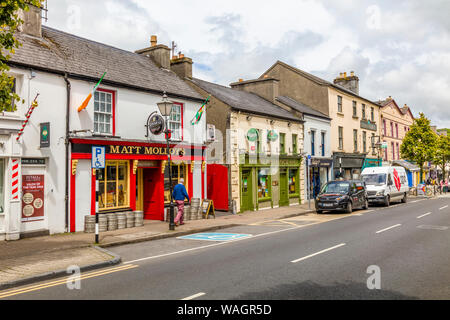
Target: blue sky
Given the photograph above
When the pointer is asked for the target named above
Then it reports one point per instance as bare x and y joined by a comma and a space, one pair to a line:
397, 48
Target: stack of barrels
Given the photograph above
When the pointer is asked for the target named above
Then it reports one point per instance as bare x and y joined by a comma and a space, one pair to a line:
187, 213
102, 223
89, 224
130, 219
196, 210
121, 220
112, 221
138, 218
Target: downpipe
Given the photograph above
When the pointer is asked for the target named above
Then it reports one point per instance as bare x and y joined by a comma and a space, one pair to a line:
66, 142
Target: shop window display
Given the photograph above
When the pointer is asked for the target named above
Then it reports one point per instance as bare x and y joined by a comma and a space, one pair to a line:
293, 183
179, 171
263, 183
113, 185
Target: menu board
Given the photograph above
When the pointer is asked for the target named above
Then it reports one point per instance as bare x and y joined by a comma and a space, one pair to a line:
33, 198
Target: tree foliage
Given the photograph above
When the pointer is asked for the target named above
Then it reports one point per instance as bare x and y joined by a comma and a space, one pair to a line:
442, 156
9, 22
419, 144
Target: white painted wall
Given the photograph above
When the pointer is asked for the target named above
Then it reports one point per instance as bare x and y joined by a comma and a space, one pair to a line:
132, 111
319, 125
83, 193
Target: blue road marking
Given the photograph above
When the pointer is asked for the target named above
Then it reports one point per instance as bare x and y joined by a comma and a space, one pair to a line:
215, 236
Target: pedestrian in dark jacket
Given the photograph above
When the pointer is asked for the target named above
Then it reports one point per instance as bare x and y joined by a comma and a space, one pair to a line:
179, 194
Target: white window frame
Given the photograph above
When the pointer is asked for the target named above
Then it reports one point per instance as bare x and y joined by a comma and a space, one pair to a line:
99, 113
175, 122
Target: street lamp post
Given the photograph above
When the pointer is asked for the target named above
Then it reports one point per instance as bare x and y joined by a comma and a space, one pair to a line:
165, 107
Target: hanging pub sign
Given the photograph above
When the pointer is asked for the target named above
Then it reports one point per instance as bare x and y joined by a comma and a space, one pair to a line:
155, 124
45, 135
252, 135
272, 135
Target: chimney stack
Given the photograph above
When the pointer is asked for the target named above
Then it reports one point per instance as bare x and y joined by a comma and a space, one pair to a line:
350, 83
159, 53
267, 87
32, 21
182, 66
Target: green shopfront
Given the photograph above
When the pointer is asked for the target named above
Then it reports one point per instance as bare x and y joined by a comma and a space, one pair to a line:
269, 181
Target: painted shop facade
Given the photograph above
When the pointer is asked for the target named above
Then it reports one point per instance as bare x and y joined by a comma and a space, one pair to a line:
260, 144
48, 184
355, 120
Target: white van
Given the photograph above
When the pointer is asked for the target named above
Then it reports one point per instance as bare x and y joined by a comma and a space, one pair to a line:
386, 184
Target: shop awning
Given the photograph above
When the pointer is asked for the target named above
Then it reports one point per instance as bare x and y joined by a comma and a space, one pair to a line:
407, 165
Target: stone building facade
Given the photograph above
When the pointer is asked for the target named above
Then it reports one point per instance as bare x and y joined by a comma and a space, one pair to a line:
259, 142
395, 124
355, 120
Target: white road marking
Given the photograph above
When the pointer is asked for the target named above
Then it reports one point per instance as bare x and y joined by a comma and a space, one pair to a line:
320, 252
232, 241
443, 208
424, 215
194, 296
397, 225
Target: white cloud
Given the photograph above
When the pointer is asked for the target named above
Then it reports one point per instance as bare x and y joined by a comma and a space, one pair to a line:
398, 48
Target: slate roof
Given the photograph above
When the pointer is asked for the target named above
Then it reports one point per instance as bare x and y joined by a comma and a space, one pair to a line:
315, 79
62, 52
303, 108
404, 110
383, 103
244, 101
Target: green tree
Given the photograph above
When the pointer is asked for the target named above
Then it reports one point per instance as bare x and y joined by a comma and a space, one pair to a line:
419, 144
442, 156
9, 22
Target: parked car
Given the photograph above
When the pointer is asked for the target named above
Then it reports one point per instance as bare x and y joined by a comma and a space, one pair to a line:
386, 184
342, 195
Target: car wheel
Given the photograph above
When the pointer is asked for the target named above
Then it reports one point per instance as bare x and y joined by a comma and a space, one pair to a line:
349, 207
366, 204
405, 198
319, 211
387, 201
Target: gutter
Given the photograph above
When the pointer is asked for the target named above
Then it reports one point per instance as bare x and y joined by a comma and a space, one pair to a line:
67, 143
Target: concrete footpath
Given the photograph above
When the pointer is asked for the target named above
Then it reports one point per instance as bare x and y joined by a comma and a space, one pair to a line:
36, 259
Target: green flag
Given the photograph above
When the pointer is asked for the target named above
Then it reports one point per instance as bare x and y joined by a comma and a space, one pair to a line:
198, 115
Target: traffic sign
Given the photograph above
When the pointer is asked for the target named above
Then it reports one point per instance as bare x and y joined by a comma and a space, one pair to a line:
309, 160
98, 157
215, 236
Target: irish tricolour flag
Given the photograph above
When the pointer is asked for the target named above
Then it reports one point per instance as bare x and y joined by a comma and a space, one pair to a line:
86, 101
198, 115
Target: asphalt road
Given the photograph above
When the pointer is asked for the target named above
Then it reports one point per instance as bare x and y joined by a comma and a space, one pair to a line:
292, 259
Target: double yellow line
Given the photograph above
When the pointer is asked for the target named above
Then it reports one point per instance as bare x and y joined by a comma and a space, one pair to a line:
15, 292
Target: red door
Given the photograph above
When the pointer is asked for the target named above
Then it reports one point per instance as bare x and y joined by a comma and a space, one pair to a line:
217, 184
153, 194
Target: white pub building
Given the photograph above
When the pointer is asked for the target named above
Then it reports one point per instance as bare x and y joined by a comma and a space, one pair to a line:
47, 184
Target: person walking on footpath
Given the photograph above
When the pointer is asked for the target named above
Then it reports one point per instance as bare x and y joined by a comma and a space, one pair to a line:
179, 194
